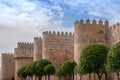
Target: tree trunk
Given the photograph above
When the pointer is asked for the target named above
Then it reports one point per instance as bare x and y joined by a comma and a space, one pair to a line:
39, 78
59, 78
80, 77
105, 76
48, 77
73, 76
99, 76
94, 77
31, 77
45, 77
70, 76
118, 75
89, 76
76, 76
35, 77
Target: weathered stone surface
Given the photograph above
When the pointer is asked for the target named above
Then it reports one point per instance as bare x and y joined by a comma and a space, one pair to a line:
23, 55
8, 66
59, 46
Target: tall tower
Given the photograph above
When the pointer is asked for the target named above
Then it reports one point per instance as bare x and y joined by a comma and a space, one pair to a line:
86, 33
8, 66
23, 55
37, 48
114, 34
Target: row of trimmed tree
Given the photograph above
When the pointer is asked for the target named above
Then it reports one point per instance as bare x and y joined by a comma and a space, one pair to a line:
44, 68
38, 69
95, 58
98, 59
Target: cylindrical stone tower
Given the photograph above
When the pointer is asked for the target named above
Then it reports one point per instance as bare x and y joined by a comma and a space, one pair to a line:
37, 48
23, 55
89, 32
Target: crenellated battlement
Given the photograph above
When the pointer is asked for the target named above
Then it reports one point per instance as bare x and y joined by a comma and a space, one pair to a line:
58, 33
93, 22
7, 54
114, 32
25, 45
24, 49
115, 26
37, 38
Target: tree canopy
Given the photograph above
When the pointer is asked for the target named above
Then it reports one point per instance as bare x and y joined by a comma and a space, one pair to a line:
93, 59
49, 69
113, 59
21, 72
68, 67
40, 67
31, 69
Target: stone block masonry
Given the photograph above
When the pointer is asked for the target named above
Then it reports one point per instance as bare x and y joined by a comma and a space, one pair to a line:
60, 46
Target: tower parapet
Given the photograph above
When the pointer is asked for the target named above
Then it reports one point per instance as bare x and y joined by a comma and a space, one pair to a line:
114, 32
24, 49
91, 24
57, 33
37, 48
25, 45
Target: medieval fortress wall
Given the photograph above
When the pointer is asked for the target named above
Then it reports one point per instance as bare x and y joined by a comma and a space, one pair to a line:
59, 46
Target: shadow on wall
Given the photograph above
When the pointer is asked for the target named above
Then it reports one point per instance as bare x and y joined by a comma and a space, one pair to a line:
0, 74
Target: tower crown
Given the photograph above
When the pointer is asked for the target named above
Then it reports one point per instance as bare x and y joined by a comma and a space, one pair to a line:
25, 45
58, 33
91, 24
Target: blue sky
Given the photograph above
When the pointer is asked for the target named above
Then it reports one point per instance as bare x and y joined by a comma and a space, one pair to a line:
21, 20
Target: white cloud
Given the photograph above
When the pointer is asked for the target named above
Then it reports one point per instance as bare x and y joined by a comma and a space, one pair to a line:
21, 20
107, 9
31, 16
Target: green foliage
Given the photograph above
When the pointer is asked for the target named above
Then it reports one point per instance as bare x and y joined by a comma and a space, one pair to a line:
41, 65
113, 58
49, 69
93, 58
67, 68
21, 72
31, 69
76, 69
59, 71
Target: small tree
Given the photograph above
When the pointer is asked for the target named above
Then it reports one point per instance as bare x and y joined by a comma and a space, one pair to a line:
40, 67
113, 59
59, 72
68, 68
77, 71
93, 59
49, 70
21, 73
30, 69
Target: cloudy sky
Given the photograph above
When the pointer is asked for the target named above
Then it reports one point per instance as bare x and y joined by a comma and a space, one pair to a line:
21, 20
